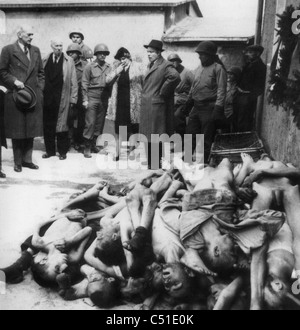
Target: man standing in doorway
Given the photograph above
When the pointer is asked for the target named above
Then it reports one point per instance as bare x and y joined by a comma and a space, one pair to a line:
77, 37
181, 93
157, 111
21, 70
207, 96
61, 93
252, 85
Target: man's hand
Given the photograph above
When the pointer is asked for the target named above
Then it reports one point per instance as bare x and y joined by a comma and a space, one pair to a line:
19, 84
218, 113
86, 105
247, 195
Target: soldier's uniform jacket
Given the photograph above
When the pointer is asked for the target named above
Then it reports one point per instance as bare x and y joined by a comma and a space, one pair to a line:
80, 65
94, 77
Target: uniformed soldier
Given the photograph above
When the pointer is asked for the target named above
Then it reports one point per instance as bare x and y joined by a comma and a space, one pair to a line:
77, 119
181, 93
97, 78
77, 37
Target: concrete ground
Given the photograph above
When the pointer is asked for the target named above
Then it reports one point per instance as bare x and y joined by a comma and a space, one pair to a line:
27, 198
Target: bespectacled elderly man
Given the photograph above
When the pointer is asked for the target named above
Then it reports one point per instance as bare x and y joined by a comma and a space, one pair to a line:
21, 68
61, 94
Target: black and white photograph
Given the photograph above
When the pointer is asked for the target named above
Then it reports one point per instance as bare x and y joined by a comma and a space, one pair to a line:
150, 157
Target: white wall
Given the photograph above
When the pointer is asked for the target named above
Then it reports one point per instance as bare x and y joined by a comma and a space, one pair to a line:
120, 28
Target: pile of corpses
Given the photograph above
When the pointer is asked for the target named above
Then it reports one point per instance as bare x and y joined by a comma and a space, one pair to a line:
192, 238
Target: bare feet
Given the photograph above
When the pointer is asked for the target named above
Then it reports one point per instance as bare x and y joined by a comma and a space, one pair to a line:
196, 264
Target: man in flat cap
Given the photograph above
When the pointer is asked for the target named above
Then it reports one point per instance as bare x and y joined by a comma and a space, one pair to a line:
181, 93
207, 96
21, 67
77, 37
252, 86
157, 111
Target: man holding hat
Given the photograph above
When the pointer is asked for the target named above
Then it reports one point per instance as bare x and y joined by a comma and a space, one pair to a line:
207, 96
22, 73
77, 37
181, 93
77, 117
252, 86
96, 81
157, 110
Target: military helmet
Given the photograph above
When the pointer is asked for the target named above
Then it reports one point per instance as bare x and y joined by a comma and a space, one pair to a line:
207, 47
74, 48
76, 32
101, 48
174, 58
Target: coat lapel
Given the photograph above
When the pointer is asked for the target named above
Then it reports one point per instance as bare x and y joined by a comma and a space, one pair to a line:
155, 67
33, 60
21, 55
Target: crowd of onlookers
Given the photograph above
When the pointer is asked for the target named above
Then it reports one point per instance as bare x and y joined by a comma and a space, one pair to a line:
67, 96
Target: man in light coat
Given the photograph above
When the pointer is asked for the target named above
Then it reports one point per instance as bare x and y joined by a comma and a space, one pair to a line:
157, 111
20, 65
61, 94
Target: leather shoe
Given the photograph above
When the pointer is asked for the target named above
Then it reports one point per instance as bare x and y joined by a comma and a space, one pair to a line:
62, 157
31, 166
2, 175
18, 168
46, 156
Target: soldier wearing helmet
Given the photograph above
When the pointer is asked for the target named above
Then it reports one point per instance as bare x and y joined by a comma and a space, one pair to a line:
207, 96
77, 119
181, 93
98, 77
77, 37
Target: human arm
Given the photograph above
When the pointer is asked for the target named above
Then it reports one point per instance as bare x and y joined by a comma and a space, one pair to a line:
258, 277
221, 77
96, 263
41, 72
82, 239
85, 82
74, 83
172, 80
114, 73
229, 294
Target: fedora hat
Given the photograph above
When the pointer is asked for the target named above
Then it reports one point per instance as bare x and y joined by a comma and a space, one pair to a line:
25, 99
156, 44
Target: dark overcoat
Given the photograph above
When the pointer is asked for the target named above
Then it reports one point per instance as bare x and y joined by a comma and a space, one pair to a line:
2, 132
157, 110
14, 65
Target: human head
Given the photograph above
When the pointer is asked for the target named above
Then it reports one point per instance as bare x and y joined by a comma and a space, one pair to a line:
57, 47
102, 290
175, 59
207, 51
275, 293
74, 51
178, 281
254, 52
77, 37
234, 74
25, 35
154, 50
46, 267
220, 254
109, 247
101, 52
123, 54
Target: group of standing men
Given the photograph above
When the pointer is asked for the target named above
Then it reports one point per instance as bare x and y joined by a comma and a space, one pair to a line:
67, 95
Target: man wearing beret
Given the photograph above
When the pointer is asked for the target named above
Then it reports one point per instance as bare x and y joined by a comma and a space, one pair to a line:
252, 86
21, 67
207, 96
157, 110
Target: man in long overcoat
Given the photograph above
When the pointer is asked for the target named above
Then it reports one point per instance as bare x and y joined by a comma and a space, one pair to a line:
2, 132
157, 111
20, 65
61, 94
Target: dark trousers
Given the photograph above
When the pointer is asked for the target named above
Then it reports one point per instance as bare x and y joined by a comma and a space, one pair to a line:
22, 151
201, 122
50, 135
180, 120
95, 114
246, 105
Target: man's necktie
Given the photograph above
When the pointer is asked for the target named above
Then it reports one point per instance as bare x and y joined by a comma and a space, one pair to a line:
26, 51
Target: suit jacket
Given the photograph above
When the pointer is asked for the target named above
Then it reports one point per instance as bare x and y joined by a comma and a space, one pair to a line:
157, 110
14, 65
